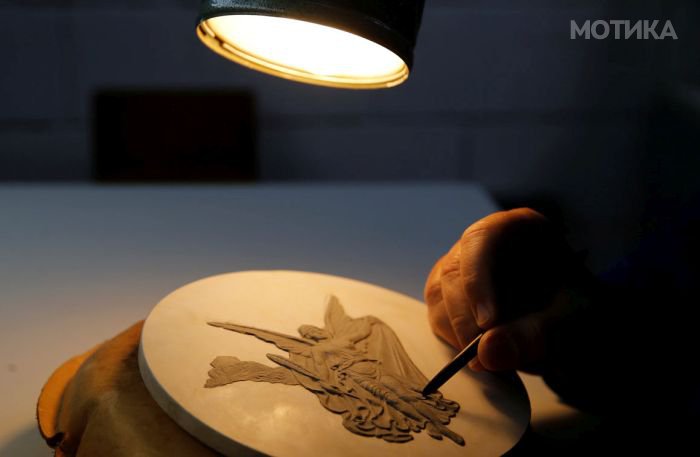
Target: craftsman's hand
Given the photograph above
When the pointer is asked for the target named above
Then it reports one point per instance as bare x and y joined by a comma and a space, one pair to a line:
506, 276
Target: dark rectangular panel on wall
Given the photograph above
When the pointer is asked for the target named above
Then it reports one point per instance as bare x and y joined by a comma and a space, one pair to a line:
174, 135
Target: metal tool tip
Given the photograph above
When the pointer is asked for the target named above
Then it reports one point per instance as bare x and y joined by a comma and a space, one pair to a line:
428, 389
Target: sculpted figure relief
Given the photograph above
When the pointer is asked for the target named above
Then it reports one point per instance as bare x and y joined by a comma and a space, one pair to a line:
356, 367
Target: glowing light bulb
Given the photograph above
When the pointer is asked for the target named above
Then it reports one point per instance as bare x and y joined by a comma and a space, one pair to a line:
303, 51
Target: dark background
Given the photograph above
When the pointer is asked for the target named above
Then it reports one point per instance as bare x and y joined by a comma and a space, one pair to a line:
598, 134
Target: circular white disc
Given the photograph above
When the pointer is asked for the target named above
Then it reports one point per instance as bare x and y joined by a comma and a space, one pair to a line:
248, 418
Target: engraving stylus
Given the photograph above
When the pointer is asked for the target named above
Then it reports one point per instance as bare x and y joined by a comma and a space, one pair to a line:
459, 362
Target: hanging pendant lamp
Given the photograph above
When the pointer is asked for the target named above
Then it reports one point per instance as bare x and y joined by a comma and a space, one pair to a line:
358, 44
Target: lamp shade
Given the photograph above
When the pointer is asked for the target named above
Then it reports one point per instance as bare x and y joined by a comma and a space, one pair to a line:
360, 44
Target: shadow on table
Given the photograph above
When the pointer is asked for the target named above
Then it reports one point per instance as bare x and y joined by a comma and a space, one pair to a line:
573, 435
26, 443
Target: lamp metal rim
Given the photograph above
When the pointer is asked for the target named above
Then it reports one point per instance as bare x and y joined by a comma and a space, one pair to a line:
248, 60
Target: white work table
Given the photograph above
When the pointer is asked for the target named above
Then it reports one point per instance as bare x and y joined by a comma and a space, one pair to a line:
78, 264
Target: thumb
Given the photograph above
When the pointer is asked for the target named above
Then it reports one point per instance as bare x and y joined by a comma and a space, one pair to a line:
515, 344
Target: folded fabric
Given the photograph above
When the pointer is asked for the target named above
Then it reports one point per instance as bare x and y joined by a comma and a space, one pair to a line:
96, 404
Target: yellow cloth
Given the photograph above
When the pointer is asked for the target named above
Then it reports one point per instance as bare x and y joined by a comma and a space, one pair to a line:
97, 405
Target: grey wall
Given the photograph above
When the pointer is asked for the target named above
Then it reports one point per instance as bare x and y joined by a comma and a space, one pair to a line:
499, 94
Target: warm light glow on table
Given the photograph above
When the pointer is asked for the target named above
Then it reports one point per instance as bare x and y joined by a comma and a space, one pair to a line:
303, 51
